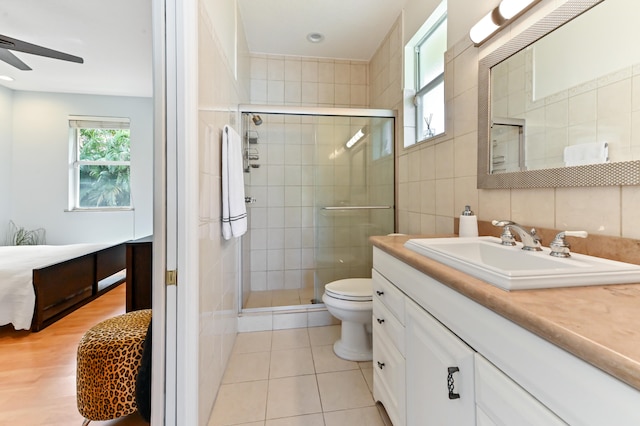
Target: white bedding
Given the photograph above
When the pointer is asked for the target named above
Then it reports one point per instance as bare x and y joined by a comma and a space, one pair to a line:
17, 297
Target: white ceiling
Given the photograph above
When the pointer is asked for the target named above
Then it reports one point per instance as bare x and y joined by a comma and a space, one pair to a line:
114, 38
353, 29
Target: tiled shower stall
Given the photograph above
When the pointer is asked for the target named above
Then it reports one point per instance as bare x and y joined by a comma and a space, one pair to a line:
314, 199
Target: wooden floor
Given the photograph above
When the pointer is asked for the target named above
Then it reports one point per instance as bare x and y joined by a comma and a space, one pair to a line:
38, 370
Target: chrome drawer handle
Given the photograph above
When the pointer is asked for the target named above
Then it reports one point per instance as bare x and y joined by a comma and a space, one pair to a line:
380, 365
379, 293
380, 321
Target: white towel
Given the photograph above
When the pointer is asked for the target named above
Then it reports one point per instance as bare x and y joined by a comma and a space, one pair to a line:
586, 153
234, 211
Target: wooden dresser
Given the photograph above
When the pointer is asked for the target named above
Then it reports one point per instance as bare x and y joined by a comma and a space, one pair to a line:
139, 255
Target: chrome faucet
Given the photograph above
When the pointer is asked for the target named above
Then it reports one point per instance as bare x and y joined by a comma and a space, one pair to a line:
530, 240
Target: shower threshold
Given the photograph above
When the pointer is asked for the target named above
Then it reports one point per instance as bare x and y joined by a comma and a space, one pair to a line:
282, 297
285, 317
288, 308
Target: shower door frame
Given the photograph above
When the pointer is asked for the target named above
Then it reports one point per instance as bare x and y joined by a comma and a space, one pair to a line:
311, 111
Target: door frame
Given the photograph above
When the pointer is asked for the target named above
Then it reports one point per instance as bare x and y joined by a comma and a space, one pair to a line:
175, 380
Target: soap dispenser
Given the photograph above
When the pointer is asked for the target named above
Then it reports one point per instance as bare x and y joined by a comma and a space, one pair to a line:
468, 223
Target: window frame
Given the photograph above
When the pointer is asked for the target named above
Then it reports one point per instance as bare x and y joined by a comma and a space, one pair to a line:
429, 86
76, 124
411, 92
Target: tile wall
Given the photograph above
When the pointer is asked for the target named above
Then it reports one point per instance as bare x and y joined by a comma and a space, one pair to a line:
290, 80
282, 218
282, 233
385, 91
385, 70
444, 172
219, 260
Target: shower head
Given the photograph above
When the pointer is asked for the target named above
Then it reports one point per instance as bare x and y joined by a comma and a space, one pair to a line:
256, 119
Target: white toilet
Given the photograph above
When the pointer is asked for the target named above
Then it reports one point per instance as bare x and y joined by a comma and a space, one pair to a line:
350, 300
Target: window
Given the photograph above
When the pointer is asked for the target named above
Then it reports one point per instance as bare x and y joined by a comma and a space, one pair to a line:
429, 100
425, 67
100, 163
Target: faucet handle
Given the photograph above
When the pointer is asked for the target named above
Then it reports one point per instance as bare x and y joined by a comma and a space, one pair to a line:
502, 222
560, 247
581, 234
507, 238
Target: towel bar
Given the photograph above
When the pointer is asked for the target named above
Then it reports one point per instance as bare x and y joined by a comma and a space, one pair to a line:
355, 207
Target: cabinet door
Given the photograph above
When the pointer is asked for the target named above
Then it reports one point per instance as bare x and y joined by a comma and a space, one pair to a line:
482, 419
504, 402
388, 376
440, 388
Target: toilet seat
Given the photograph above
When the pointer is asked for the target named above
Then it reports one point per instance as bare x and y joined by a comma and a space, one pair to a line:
351, 289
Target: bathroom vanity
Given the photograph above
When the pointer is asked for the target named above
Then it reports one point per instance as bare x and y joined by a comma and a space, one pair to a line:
450, 349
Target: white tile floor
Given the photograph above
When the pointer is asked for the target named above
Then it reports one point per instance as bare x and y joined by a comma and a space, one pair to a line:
293, 378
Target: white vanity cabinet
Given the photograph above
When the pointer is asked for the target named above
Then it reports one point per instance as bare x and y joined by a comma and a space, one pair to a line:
440, 373
505, 374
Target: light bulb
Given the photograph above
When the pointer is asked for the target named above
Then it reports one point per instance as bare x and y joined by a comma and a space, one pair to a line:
510, 8
483, 29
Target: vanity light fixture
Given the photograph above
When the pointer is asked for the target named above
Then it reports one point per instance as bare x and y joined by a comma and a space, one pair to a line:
486, 26
510, 8
494, 20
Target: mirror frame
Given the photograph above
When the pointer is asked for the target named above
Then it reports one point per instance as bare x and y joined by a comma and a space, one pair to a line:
620, 173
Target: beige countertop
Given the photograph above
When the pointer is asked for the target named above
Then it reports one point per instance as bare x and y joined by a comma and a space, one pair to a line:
599, 324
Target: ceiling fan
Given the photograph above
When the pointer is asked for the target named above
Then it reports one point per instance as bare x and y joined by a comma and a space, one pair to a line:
8, 43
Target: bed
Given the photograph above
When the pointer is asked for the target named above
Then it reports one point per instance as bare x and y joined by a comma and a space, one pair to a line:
41, 284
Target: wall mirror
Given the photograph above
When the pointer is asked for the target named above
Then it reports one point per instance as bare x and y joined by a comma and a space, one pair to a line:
556, 104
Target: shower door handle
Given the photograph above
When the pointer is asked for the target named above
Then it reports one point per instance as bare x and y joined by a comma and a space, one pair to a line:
356, 207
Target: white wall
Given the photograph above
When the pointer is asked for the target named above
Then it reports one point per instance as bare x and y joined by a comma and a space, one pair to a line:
6, 101
39, 167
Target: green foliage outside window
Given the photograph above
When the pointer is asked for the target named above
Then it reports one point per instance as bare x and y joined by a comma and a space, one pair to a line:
107, 184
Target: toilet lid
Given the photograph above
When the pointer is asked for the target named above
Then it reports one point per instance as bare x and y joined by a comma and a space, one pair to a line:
355, 289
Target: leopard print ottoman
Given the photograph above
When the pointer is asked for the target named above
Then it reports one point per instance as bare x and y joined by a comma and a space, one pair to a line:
109, 357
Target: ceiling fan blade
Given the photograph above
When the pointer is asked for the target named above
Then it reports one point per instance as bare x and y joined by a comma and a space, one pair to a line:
12, 59
34, 49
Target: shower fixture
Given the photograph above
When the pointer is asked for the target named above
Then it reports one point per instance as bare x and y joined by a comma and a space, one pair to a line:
253, 136
253, 154
256, 119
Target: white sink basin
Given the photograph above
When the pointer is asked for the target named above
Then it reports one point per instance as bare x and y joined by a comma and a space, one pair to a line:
511, 268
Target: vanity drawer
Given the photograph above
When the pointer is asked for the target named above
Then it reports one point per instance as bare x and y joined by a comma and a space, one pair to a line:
387, 294
504, 402
389, 379
387, 326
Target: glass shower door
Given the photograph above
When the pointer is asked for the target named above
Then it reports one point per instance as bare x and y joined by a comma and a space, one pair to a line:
354, 194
